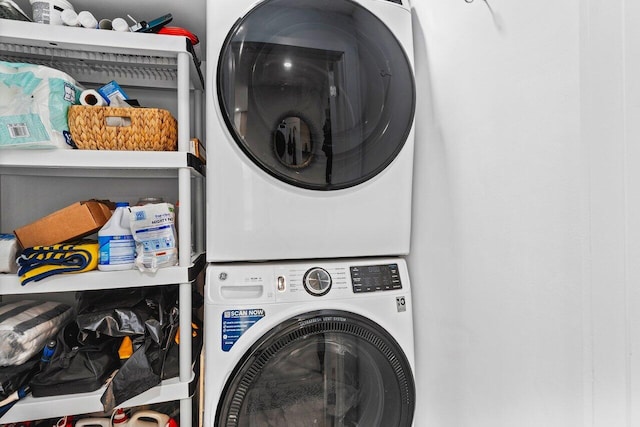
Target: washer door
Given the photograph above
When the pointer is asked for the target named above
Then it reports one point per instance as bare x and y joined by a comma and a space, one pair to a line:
319, 94
321, 369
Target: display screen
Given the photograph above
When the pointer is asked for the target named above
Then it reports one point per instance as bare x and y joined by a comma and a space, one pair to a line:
372, 278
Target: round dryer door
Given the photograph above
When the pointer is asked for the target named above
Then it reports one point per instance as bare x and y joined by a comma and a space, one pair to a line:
319, 94
325, 368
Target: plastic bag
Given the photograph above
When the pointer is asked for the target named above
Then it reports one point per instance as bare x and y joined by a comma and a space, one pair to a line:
143, 369
25, 327
34, 101
121, 312
153, 229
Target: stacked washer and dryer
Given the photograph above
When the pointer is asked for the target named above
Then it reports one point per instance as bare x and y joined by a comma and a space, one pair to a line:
310, 114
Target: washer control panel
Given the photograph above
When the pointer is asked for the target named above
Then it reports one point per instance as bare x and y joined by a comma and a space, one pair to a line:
317, 281
372, 278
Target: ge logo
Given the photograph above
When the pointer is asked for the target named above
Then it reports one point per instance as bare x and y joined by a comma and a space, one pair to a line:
401, 304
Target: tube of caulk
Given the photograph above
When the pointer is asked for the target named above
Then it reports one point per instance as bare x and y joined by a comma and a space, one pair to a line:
87, 19
119, 24
69, 18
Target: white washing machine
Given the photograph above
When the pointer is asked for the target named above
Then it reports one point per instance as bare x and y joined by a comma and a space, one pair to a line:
313, 343
310, 118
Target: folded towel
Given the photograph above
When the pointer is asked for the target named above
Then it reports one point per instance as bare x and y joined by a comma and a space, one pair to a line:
43, 261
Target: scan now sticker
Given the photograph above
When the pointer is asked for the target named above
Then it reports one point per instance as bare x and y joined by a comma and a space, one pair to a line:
237, 322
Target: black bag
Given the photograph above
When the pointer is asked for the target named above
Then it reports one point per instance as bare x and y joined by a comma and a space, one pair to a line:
77, 367
143, 370
171, 365
14, 377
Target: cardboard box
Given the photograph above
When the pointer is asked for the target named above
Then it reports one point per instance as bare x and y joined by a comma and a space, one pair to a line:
73, 222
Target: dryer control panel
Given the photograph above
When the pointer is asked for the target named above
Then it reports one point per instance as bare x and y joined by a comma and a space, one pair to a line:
372, 278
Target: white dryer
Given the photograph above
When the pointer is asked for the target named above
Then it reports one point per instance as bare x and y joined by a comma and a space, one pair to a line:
310, 118
314, 343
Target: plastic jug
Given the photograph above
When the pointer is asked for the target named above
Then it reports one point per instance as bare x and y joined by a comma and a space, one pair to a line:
149, 419
93, 422
117, 247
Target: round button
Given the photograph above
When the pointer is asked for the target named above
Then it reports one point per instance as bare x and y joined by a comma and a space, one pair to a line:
317, 281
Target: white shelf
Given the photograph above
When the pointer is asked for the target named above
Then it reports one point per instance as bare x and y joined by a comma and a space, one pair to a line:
94, 56
10, 283
61, 162
38, 408
147, 61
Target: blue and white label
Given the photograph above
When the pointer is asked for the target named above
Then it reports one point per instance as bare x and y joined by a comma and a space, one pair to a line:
237, 322
116, 250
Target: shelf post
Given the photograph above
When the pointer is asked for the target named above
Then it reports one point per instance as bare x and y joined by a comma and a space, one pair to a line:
185, 349
184, 121
184, 217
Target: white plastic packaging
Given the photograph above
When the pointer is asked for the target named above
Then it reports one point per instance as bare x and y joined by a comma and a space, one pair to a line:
117, 247
27, 325
34, 100
153, 229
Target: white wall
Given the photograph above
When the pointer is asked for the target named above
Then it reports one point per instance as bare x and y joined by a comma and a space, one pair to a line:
523, 253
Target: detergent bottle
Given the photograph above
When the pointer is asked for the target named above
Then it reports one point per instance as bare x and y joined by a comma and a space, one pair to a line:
93, 422
117, 247
149, 419
118, 419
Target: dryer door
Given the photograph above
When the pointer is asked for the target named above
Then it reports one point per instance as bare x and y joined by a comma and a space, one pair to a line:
318, 94
325, 368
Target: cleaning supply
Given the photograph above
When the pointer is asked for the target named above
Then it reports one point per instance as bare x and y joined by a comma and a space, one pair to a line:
119, 418
153, 228
148, 418
117, 247
91, 422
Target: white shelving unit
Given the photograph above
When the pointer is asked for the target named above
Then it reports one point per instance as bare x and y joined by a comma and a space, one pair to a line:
141, 61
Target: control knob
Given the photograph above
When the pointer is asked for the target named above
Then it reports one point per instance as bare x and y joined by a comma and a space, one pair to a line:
317, 281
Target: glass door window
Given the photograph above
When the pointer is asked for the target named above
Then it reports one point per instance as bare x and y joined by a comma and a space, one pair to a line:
322, 369
319, 94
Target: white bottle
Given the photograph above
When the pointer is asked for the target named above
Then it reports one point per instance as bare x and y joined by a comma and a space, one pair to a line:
149, 419
117, 247
93, 422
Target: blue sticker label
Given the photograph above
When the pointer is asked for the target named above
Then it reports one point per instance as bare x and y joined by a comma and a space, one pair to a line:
236, 322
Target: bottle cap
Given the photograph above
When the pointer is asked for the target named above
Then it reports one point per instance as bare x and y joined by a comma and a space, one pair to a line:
122, 204
120, 417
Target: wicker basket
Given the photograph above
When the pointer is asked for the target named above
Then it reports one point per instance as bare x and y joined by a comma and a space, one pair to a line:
140, 129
